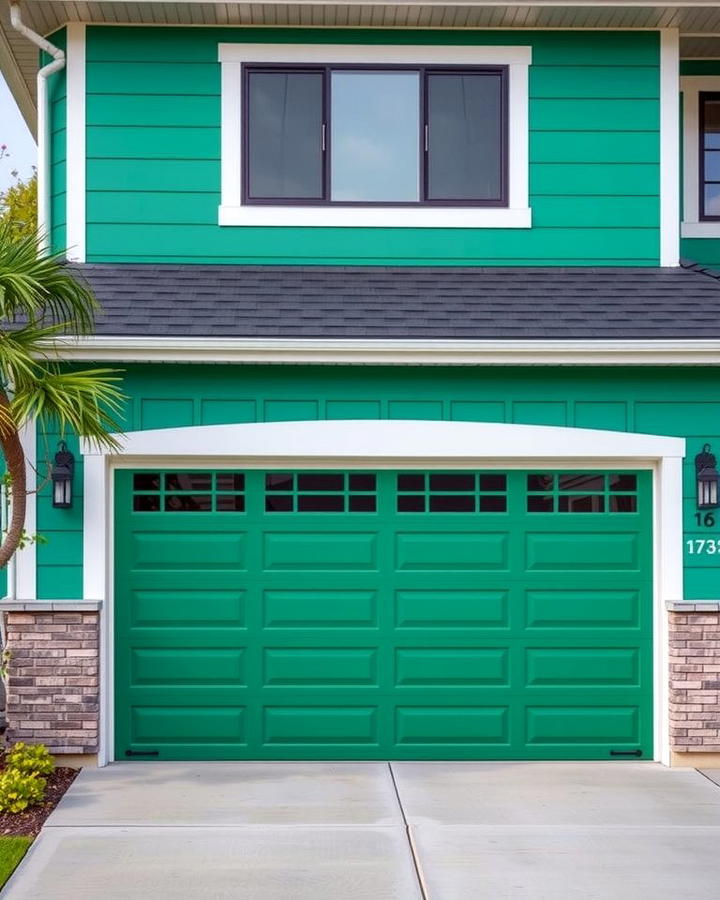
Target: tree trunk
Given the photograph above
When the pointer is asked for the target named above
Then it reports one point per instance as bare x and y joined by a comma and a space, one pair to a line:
15, 461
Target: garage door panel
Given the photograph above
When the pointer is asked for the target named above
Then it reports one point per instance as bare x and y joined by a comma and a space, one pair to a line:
569, 551
187, 608
320, 551
449, 552
303, 609
445, 607
580, 608
391, 634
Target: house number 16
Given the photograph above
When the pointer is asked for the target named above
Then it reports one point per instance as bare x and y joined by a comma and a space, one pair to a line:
707, 520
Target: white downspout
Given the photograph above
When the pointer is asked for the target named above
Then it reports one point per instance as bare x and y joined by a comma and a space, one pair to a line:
44, 220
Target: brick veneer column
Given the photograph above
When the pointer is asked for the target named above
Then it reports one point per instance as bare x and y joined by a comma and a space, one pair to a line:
695, 678
53, 690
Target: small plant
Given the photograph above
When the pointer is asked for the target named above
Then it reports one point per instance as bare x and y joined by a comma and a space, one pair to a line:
30, 759
19, 790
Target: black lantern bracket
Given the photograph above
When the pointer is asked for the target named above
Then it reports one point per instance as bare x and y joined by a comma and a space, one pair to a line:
707, 479
62, 473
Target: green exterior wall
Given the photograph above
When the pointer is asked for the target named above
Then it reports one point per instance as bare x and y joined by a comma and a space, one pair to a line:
57, 97
153, 145
701, 250
679, 402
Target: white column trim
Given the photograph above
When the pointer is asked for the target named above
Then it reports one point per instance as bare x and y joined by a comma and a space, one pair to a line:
75, 155
669, 147
386, 444
26, 560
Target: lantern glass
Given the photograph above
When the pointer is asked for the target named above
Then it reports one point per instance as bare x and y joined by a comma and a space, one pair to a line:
62, 492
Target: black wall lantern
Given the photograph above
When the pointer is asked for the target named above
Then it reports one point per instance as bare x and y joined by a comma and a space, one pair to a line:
707, 479
62, 477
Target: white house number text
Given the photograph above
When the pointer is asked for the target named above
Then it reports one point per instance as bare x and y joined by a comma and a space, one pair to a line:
703, 547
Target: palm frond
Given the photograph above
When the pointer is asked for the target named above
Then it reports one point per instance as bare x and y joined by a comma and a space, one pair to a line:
88, 402
39, 288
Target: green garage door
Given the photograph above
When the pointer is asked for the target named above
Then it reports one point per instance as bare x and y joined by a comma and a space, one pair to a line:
383, 615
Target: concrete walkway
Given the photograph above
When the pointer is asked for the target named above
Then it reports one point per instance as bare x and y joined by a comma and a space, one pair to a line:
372, 831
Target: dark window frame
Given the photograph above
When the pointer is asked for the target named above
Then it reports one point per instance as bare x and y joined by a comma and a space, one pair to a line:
424, 71
704, 96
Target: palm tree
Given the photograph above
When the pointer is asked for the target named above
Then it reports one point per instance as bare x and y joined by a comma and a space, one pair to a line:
40, 302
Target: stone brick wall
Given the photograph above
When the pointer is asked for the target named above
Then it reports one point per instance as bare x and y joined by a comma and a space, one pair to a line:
53, 691
695, 681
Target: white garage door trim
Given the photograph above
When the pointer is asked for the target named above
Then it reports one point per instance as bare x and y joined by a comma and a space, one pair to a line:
389, 444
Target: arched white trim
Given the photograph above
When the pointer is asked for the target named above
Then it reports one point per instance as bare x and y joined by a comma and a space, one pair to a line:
385, 444
391, 439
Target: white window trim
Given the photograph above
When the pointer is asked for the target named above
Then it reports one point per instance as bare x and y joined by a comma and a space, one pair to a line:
388, 444
691, 86
232, 211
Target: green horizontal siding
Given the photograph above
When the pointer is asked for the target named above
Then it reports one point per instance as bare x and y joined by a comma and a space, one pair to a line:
153, 117
684, 403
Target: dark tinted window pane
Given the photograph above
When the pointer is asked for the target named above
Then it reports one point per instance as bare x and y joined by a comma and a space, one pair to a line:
711, 109
623, 483
322, 481
452, 503
493, 482
465, 137
146, 503
712, 165
188, 503
582, 482
188, 481
279, 482
452, 482
620, 504
493, 504
229, 481
712, 200
284, 123
411, 482
279, 503
362, 503
362, 482
230, 503
539, 482
540, 504
411, 503
375, 126
146, 481
321, 503
593, 503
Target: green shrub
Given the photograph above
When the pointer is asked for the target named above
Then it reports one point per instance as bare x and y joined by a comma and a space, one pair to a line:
30, 759
18, 790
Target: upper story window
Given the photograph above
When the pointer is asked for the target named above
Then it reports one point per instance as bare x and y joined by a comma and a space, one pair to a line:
709, 140
401, 135
374, 136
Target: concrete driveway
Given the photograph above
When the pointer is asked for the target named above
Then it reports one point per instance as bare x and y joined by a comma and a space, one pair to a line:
372, 831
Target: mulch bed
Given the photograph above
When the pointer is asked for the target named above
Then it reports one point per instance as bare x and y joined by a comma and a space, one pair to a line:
32, 820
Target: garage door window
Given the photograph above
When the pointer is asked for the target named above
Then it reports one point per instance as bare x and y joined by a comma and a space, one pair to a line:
451, 492
188, 492
581, 492
320, 492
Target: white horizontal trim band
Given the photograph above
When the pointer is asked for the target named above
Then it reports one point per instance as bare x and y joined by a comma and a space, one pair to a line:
700, 230
375, 217
391, 352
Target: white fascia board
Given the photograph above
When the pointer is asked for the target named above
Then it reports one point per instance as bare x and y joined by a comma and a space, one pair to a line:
391, 352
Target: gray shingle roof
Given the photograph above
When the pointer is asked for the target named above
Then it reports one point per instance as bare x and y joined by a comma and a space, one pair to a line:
400, 302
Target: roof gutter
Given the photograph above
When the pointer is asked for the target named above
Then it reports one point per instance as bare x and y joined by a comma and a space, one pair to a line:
329, 351
58, 62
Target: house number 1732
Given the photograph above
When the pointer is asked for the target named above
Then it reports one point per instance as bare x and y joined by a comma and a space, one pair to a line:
702, 546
